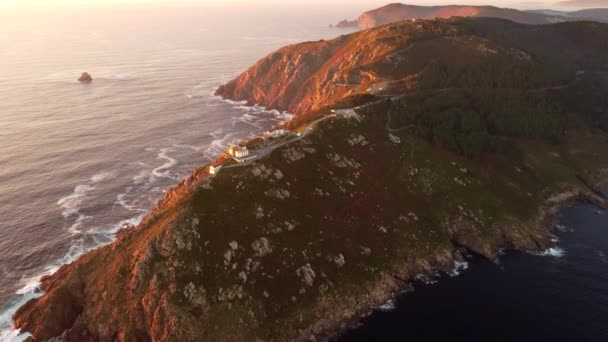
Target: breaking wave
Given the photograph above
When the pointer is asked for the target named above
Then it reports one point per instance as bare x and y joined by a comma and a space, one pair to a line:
554, 252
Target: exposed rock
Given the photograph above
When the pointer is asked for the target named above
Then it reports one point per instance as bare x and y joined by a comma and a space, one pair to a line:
346, 24
261, 247
234, 245
339, 260
307, 274
85, 78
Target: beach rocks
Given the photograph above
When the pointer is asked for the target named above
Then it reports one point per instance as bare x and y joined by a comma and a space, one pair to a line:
85, 78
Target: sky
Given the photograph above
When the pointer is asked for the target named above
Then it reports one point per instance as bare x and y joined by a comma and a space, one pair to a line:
367, 3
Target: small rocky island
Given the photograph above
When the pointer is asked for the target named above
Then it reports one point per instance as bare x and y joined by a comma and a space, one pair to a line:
85, 78
413, 145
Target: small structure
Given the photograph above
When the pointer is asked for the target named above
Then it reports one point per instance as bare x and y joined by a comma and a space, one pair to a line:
214, 170
275, 133
240, 153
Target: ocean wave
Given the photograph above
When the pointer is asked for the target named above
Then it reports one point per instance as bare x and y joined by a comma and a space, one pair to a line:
250, 120
555, 252
459, 267
388, 306
164, 171
101, 176
220, 142
31, 286
71, 205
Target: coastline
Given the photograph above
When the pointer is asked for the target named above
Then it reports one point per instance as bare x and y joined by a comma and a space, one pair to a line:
156, 264
35, 287
400, 276
344, 312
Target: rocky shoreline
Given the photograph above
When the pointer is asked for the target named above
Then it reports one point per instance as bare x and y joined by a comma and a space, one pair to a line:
337, 312
348, 312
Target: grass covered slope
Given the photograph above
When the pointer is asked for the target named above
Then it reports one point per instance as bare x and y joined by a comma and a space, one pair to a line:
326, 227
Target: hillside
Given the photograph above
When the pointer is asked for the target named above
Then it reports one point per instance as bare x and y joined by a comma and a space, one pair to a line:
398, 12
419, 143
391, 59
594, 14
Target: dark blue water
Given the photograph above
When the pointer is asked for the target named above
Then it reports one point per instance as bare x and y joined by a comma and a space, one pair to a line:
559, 296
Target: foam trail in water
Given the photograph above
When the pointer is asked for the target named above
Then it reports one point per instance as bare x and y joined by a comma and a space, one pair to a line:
71, 206
163, 170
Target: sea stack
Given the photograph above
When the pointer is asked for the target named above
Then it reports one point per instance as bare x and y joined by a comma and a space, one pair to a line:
85, 78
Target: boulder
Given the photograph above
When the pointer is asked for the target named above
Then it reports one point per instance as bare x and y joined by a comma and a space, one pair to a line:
85, 78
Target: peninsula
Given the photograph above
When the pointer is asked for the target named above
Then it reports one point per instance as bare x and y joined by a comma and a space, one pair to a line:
397, 12
412, 144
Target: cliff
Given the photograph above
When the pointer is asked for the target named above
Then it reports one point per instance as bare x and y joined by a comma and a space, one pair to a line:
398, 12
419, 142
391, 59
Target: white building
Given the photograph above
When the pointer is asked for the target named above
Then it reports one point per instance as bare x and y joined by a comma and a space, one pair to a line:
275, 133
213, 170
238, 151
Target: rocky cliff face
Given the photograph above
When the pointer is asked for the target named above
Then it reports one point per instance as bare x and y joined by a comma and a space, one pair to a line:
390, 59
309, 76
332, 223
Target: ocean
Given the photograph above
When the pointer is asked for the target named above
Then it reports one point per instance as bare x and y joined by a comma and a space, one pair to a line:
80, 161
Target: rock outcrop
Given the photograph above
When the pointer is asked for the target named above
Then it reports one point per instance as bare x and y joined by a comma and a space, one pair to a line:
85, 78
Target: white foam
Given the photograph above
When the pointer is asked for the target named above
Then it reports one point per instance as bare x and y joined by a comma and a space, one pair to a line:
554, 252
459, 267
388, 306
71, 206
31, 286
101, 176
163, 170
141, 176
423, 278
121, 201
232, 102
10, 335
250, 120
220, 142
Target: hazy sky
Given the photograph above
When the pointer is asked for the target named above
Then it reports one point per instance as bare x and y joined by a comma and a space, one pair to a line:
365, 3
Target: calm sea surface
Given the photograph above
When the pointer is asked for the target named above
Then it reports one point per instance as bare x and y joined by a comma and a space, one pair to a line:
77, 161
